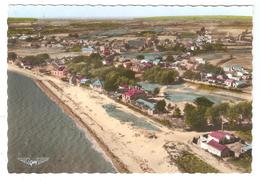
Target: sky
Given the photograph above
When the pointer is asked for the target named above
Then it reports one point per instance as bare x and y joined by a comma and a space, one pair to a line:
122, 11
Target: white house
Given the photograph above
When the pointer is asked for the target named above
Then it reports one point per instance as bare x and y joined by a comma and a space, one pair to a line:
218, 149
221, 137
200, 60
203, 142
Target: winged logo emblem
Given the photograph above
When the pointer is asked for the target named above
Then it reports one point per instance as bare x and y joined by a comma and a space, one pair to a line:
33, 162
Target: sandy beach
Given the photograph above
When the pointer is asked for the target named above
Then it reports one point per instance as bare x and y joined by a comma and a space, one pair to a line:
130, 149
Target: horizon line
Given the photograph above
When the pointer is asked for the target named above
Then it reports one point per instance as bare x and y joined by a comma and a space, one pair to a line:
131, 17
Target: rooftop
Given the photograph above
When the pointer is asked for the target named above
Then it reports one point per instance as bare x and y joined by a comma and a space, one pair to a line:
89, 49
216, 145
219, 134
133, 91
97, 83
147, 104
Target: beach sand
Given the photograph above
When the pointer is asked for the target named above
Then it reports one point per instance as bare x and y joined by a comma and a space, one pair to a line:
128, 147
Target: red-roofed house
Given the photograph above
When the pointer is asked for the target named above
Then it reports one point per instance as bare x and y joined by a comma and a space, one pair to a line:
133, 93
221, 137
59, 72
218, 149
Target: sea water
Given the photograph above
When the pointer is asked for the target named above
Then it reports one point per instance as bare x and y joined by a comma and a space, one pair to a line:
38, 130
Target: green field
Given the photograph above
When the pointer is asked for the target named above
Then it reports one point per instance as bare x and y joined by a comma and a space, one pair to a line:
189, 163
246, 135
245, 163
20, 20
198, 18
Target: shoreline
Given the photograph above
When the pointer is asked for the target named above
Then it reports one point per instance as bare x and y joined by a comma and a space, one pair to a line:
128, 148
116, 162
119, 165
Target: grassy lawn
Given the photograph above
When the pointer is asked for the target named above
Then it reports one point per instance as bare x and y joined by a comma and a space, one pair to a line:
189, 163
187, 35
16, 30
246, 135
75, 48
244, 163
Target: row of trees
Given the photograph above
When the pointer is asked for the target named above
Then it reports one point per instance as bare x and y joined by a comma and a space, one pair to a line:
189, 74
203, 111
161, 76
91, 66
36, 60
84, 64
235, 114
209, 68
203, 68
118, 76
12, 56
195, 114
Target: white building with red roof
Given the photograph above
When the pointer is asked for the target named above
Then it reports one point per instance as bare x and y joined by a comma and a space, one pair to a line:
214, 142
218, 149
221, 137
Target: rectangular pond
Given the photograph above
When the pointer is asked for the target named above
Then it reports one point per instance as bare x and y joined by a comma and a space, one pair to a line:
135, 121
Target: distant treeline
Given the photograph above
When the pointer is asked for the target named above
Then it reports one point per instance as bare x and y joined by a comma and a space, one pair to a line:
96, 25
20, 20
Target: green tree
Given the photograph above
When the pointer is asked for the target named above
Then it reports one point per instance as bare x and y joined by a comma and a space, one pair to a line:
188, 74
209, 68
96, 64
156, 91
43, 56
126, 72
80, 58
95, 56
189, 111
233, 116
160, 106
245, 109
216, 113
85, 72
140, 57
194, 117
203, 102
118, 76
238, 112
169, 58
176, 112
111, 83
35, 60
102, 72
12, 56
161, 76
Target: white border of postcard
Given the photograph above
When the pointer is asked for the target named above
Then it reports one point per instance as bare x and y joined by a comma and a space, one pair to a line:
3, 94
